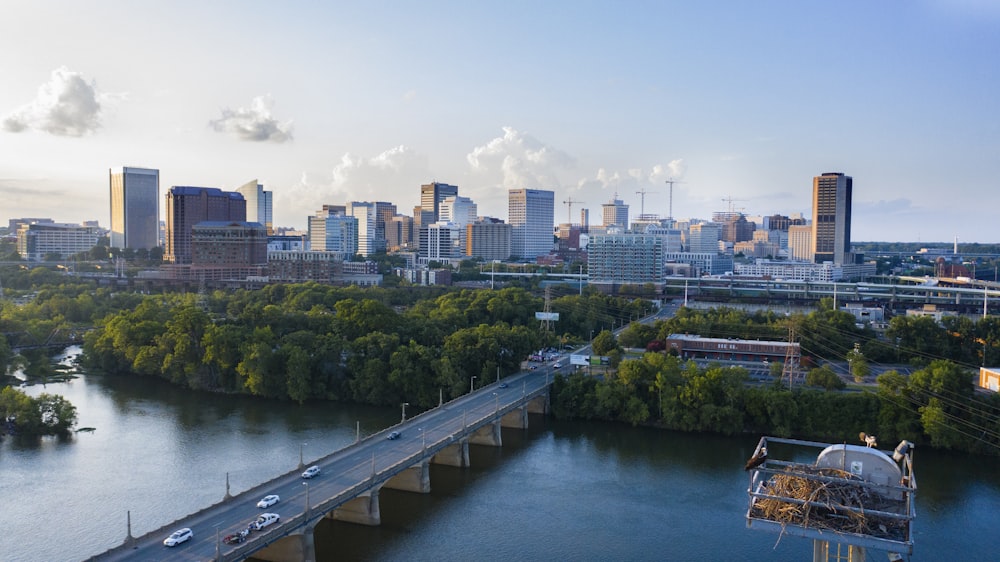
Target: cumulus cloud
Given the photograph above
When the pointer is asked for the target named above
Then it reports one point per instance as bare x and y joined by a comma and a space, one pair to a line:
254, 123
397, 167
67, 105
517, 160
633, 179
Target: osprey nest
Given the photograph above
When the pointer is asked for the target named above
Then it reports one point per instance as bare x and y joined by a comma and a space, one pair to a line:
829, 504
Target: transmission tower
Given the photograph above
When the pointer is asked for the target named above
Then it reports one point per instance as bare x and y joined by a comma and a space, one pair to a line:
791, 367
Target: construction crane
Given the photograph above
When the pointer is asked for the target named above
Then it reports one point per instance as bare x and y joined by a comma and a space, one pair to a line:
569, 212
670, 210
730, 200
642, 200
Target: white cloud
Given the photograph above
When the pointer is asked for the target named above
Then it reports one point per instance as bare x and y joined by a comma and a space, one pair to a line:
254, 123
367, 178
518, 160
67, 105
633, 179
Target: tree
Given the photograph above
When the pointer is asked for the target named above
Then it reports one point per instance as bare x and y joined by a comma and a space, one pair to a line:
824, 377
604, 343
858, 364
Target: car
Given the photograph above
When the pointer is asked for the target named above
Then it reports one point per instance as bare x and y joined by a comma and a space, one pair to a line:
533, 367
557, 365
311, 471
393, 435
265, 519
177, 537
268, 501
503, 385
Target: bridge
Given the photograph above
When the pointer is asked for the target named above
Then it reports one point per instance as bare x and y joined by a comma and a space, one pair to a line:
348, 487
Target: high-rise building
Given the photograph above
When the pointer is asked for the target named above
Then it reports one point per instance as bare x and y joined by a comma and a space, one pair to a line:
614, 213
531, 216
703, 238
458, 210
332, 230
831, 233
431, 196
625, 259
369, 241
188, 206
488, 239
259, 207
800, 237
135, 207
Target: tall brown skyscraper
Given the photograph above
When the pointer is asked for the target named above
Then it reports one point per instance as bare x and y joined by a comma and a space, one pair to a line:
831, 236
188, 206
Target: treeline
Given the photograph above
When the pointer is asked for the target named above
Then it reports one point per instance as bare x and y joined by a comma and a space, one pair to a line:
311, 341
935, 405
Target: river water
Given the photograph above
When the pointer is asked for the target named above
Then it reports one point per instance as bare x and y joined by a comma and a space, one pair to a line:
557, 491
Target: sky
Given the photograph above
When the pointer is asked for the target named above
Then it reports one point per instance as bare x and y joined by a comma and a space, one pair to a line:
739, 103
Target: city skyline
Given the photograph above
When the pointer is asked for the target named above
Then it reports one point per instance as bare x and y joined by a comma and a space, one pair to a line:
336, 103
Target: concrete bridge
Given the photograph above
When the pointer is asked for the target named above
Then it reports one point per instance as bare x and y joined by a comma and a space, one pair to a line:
348, 487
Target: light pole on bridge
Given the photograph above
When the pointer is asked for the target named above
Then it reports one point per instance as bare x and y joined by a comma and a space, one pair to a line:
306, 484
472, 384
405, 404
301, 463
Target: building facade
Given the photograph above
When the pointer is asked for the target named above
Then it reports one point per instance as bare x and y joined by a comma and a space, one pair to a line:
135, 208
259, 204
188, 206
831, 234
614, 213
38, 241
332, 230
431, 196
488, 239
531, 214
800, 242
625, 259
228, 244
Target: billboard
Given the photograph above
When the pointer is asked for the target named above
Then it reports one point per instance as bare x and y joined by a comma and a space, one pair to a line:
579, 359
546, 316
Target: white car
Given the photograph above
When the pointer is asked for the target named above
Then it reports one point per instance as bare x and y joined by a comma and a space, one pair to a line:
268, 501
177, 537
264, 520
557, 366
310, 472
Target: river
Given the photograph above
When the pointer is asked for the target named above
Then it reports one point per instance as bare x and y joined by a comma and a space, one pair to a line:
557, 491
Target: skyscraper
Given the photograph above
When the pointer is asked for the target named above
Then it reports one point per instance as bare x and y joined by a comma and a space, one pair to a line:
432, 194
831, 235
259, 207
135, 207
531, 213
614, 213
188, 206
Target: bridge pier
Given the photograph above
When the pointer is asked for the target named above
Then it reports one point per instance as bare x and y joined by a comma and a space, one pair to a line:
417, 478
517, 419
456, 454
299, 547
362, 510
488, 434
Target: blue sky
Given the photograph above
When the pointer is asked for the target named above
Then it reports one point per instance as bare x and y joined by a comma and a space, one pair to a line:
325, 102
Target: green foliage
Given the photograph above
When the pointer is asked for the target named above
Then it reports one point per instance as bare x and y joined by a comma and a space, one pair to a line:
825, 378
46, 414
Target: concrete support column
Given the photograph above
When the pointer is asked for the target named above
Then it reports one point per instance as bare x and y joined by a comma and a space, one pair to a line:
456, 454
488, 434
539, 404
291, 548
517, 419
363, 510
417, 478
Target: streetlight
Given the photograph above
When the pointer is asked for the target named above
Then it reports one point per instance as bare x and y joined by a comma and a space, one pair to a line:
306, 484
423, 438
472, 382
301, 463
497, 397
405, 404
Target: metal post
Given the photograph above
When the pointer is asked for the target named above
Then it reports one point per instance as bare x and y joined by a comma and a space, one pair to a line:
405, 404
128, 527
440, 396
357, 432
301, 463
306, 484
472, 383
228, 496
218, 544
